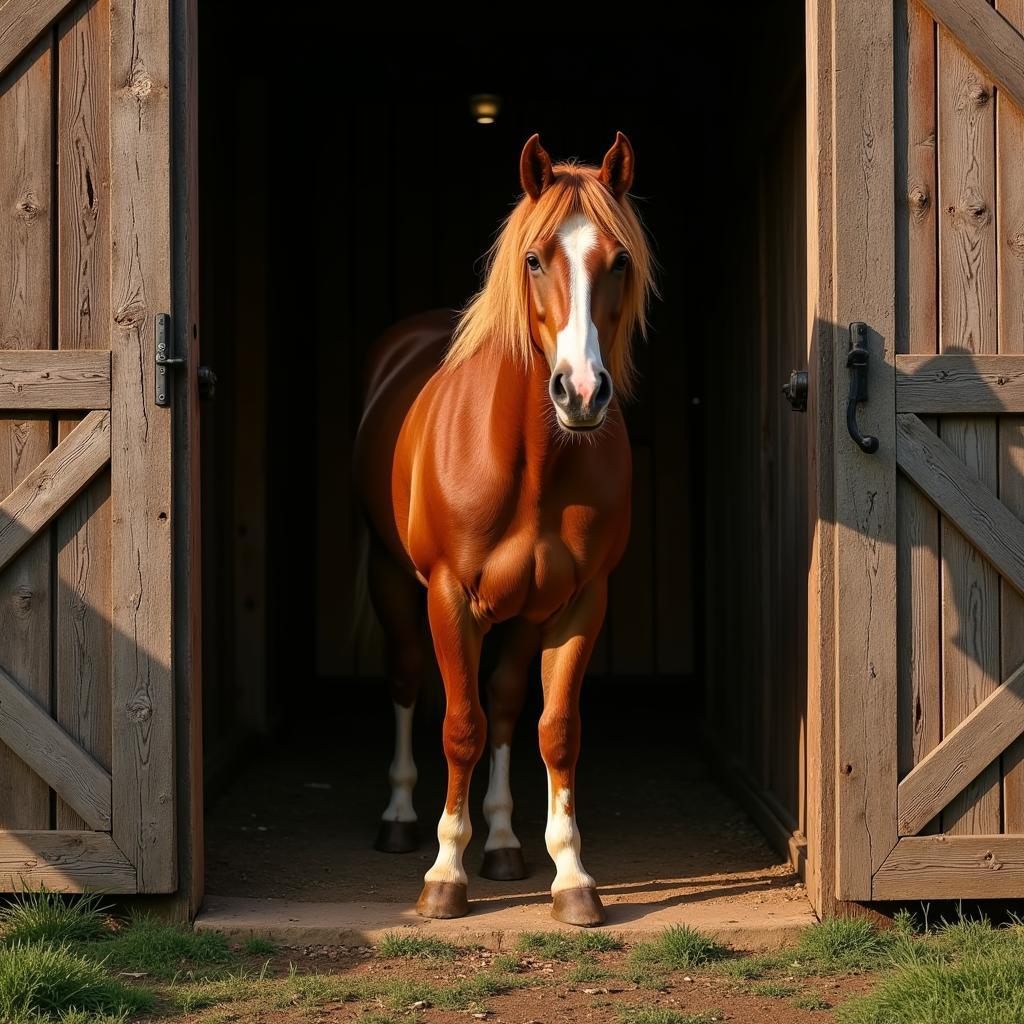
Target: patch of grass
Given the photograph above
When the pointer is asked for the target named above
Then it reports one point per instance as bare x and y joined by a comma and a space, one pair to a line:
324, 988
410, 947
162, 949
39, 915
976, 990
48, 979
568, 945
677, 948
661, 1015
470, 993
233, 988
750, 968
773, 990
842, 944
588, 969
256, 945
645, 976
506, 962
810, 1001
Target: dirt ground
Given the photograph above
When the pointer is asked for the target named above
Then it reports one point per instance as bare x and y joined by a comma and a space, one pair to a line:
550, 994
299, 821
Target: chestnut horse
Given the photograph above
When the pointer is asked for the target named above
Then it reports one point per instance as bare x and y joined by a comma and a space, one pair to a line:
499, 480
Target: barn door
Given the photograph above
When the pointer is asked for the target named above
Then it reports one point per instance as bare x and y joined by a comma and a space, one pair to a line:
929, 540
86, 703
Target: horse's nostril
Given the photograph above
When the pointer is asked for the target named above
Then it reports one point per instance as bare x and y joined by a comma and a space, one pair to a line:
603, 394
559, 391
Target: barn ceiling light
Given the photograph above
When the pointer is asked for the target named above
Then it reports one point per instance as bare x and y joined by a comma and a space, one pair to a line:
485, 107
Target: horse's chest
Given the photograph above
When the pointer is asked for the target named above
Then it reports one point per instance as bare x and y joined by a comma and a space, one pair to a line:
528, 574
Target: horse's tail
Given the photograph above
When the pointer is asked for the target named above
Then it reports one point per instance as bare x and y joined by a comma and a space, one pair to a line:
366, 637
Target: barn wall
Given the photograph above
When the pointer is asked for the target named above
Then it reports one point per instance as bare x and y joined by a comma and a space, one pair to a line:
755, 473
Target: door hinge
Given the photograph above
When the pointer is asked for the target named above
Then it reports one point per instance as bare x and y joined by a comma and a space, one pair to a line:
166, 361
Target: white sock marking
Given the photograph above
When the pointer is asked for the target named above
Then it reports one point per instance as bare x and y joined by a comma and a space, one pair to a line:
453, 834
562, 838
402, 773
578, 344
498, 802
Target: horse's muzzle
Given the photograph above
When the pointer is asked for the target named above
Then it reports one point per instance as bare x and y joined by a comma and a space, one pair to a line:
574, 412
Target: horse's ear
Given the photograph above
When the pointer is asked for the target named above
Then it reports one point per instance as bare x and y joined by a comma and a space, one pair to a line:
535, 167
617, 167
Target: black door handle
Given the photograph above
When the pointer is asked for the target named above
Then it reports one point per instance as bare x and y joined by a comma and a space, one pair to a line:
857, 361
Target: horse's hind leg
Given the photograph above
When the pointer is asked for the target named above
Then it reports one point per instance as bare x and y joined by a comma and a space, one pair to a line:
506, 689
398, 601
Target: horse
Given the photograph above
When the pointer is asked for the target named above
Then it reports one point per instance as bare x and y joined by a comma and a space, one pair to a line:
493, 467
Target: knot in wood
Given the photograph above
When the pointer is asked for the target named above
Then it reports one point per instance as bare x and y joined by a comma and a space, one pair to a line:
27, 207
979, 93
139, 708
131, 315
991, 861
140, 84
920, 198
1016, 244
977, 211
23, 596
847, 769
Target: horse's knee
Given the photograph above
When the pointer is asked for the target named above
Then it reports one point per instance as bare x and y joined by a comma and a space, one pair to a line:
559, 736
465, 734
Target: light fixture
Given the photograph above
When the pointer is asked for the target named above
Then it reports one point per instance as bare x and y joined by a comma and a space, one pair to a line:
484, 107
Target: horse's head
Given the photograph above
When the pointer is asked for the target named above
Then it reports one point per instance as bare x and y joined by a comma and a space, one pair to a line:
577, 284
568, 278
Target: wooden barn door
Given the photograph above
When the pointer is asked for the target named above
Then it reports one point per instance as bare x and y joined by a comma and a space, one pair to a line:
928, 221
86, 702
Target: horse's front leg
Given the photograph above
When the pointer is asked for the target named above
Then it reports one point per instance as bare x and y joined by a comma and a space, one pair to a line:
457, 640
506, 690
567, 645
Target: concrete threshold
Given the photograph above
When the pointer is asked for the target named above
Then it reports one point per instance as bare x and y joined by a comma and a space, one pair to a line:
493, 923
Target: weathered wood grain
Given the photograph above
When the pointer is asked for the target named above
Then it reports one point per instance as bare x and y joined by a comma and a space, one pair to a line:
993, 43
21, 21
26, 163
919, 672
964, 500
63, 861
967, 324
1010, 235
47, 379
82, 673
27, 728
864, 285
53, 483
967, 750
952, 867
959, 384
143, 757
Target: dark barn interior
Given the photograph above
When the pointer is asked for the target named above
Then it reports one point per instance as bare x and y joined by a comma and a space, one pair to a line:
345, 188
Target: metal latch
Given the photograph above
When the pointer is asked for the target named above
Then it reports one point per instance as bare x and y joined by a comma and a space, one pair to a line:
857, 361
165, 361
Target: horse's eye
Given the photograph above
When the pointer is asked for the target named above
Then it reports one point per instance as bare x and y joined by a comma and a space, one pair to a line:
532, 262
621, 261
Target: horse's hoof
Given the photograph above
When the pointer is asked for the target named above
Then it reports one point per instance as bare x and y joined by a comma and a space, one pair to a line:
505, 865
442, 900
582, 907
397, 837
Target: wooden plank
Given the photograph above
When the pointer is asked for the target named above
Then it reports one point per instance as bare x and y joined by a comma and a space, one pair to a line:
821, 690
64, 861
21, 21
960, 384
142, 757
54, 380
952, 867
992, 42
967, 324
82, 673
1010, 290
53, 483
964, 499
26, 182
970, 748
864, 287
27, 728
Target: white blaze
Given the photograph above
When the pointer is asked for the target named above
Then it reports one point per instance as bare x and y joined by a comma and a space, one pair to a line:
402, 774
562, 838
498, 803
578, 344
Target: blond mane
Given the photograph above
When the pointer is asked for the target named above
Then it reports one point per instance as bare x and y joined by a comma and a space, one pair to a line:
498, 314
